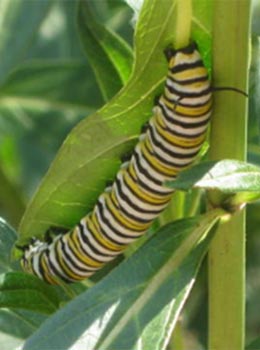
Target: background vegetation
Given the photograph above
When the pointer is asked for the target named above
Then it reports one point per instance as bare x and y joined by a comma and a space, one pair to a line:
50, 80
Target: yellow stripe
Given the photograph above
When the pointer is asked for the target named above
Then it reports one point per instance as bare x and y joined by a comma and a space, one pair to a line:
103, 241
177, 140
170, 94
196, 85
126, 222
150, 199
47, 273
169, 171
60, 256
83, 258
189, 73
181, 56
188, 111
159, 121
132, 171
77, 244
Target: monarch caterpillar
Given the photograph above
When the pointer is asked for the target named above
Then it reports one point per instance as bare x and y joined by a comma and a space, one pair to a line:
124, 212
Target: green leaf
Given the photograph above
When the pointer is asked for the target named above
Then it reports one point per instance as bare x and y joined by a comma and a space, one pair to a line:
228, 176
94, 147
31, 100
64, 86
23, 291
142, 296
18, 32
12, 203
10, 342
254, 345
110, 57
7, 239
91, 153
19, 323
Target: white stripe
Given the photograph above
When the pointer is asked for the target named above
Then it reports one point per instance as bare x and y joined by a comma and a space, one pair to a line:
138, 202
153, 172
189, 131
53, 260
121, 229
183, 119
179, 161
74, 269
76, 260
203, 86
97, 246
172, 148
161, 189
191, 101
130, 209
182, 58
36, 264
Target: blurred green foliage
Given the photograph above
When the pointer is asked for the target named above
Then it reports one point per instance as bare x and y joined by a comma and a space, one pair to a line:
47, 87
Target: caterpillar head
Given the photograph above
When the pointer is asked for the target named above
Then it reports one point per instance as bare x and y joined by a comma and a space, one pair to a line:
186, 67
174, 55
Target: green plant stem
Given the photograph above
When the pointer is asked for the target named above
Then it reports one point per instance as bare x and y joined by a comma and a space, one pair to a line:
183, 23
177, 338
228, 140
174, 210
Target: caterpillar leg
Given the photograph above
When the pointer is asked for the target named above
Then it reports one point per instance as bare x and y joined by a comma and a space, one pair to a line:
156, 99
125, 159
109, 184
144, 127
53, 231
23, 248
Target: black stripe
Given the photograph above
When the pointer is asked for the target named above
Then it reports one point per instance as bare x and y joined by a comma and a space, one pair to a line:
132, 204
179, 134
73, 263
57, 257
154, 168
87, 241
173, 111
167, 162
167, 150
40, 267
144, 172
119, 222
181, 123
107, 223
129, 215
102, 231
56, 271
149, 190
189, 81
190, 125
82, 249
186, 66
177, 102
183, 94
183, 135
